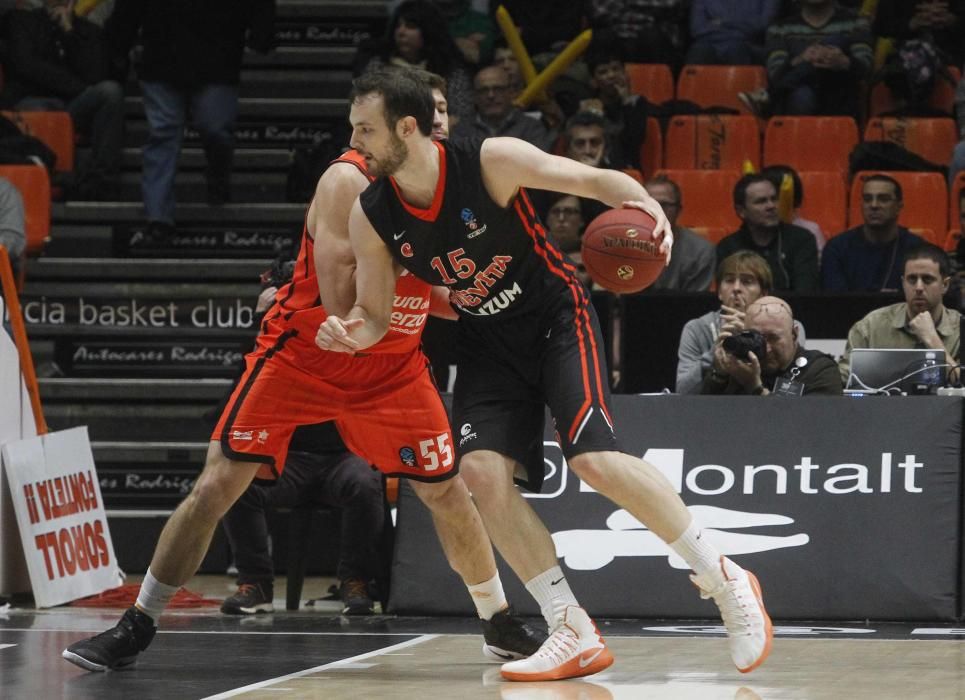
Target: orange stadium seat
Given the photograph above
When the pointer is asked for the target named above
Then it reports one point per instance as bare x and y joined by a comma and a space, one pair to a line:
708, 197
810, 143
932, 139
651, 151
34, 185
929, 236
925, 196
951, 240
53, 128
942, 97
714, 234
717, 86
634, 173
712, 142
955, 199
825, 201
651, 80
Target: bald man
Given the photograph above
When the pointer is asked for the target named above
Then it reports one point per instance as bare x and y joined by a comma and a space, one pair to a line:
784, 369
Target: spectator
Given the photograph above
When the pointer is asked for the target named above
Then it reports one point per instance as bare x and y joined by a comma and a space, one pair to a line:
418, 37
868, 257
585, 139
790, 250
496, 115
817, 59
742, 278
940, 23
504, 58
691, 267
545, 27
644, 31
565, 221
784, 369
319, 472
921, 321
191, 62
624, 112
958, 154
730, 32
57, 61
472, 30
776, 173
12, 232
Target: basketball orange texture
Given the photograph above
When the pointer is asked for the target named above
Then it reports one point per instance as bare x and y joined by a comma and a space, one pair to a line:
619, 251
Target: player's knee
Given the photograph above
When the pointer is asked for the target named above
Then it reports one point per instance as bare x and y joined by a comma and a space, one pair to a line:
221, 482
438, 495
484, 476
592, 468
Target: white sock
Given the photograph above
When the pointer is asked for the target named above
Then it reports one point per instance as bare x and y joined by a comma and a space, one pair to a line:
154, 596
700, 555
488, 597
553, 594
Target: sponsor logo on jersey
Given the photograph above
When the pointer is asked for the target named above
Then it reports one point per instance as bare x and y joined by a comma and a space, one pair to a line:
407, 455
469, 219
397, 236
493, 306
242, 435
467, 434
406, 250
262, 436
409, 314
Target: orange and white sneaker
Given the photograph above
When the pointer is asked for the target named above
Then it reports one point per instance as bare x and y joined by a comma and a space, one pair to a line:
573, 649
738, 596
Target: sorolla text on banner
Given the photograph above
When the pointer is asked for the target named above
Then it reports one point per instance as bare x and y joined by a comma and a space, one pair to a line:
60, 512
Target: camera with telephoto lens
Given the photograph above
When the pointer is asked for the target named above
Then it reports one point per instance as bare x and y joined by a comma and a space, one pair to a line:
744, 343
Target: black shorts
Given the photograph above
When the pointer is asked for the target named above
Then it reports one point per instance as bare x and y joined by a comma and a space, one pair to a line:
511, 369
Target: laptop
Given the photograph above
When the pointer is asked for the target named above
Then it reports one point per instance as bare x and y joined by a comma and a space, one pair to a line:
894, 371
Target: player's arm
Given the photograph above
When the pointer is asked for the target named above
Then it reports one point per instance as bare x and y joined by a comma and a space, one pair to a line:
375, 274
439, 305
508, 164
337, 189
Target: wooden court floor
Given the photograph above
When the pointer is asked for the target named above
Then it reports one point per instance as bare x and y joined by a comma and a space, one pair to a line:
316, 653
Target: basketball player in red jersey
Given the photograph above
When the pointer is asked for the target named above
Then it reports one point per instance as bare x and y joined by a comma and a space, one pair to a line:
385, 405
458, 214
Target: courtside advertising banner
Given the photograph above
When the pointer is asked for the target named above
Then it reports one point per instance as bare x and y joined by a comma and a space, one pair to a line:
63, 527
845, 508
16, 423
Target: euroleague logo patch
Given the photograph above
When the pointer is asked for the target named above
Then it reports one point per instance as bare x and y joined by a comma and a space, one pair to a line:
407, 455
625, 272
469, 219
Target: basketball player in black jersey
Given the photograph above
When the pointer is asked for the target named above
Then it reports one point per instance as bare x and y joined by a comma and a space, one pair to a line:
459, 215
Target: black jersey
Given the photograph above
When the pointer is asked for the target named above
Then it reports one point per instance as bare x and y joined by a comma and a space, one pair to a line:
496, 261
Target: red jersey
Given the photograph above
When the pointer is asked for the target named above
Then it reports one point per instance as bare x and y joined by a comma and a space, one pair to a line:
298, 306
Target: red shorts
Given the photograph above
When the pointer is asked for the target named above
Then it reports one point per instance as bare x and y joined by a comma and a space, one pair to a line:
386, 407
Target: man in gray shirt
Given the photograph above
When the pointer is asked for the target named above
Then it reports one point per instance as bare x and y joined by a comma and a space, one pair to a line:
496, 115
691, 267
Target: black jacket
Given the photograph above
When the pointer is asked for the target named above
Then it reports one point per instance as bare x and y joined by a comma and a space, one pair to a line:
44, 61
189, 43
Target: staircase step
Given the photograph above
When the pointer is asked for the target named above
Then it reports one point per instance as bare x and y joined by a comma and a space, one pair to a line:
89, 390
167, 270
253, 108
192, 158
133, 421
186, 213
319, 57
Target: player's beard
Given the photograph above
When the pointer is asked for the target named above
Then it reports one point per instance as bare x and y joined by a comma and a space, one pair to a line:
393, 160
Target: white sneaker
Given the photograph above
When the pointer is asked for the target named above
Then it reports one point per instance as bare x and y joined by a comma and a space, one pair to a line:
573, 649
738, 596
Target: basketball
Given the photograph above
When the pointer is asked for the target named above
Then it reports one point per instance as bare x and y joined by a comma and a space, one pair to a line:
619, 252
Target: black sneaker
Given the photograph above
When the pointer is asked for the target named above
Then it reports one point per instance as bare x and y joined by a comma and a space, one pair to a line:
115, 648
354, 593
508, 637
250, 598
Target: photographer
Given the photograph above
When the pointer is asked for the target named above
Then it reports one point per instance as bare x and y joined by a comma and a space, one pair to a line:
766, 358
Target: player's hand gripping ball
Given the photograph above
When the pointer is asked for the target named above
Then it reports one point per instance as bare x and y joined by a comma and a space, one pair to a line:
619, 251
